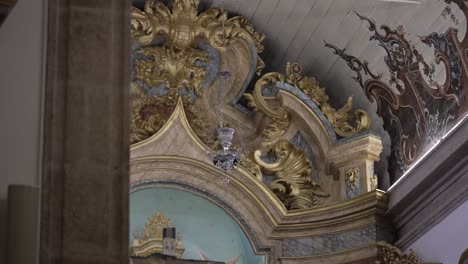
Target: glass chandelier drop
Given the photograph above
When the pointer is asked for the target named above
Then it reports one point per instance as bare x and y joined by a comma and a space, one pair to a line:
227, 158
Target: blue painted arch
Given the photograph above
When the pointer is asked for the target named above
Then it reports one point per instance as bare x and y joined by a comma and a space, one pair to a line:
206, 228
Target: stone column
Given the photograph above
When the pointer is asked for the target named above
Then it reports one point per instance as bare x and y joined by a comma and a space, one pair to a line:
84, 214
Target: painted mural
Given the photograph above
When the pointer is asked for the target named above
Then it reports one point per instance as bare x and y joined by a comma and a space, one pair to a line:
204, 230
417, 109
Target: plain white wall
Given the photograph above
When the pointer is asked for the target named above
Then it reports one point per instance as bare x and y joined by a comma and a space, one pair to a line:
22, 63
446, 241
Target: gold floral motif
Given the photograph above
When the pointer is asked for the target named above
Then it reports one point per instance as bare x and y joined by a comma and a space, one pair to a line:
154, 226
183, 26
176, 68
339, 119
150, 240
351, 177
393, 255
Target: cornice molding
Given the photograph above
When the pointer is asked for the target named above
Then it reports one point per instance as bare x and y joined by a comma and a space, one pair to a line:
433, 189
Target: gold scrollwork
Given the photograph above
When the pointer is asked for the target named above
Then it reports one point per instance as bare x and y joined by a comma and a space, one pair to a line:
169, 54
292, 170
339, 119
274, 130
393, 255
183, 26
174, 67
293, 183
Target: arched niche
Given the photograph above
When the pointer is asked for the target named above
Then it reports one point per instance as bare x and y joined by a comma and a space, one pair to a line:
207, 229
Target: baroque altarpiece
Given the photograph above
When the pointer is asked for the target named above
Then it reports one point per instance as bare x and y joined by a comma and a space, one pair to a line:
305, 190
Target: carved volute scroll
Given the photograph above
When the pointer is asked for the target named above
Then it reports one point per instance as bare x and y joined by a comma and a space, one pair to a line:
294, 183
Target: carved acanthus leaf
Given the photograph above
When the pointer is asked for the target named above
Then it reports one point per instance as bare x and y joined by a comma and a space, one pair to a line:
176, 68
293, 182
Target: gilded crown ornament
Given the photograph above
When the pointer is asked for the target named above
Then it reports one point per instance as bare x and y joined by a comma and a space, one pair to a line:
150, 241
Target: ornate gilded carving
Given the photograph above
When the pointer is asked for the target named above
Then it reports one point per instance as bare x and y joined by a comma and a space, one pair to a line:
292, 170
183, 27
339, 119
280, 119
293, 183
351, 177
176, 68
171, 60
150, 240
393, 255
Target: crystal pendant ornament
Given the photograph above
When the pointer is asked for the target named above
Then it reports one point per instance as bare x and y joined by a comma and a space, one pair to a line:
227, 158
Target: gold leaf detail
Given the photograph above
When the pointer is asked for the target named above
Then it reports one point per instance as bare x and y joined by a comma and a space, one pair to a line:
393, 255
339, 119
